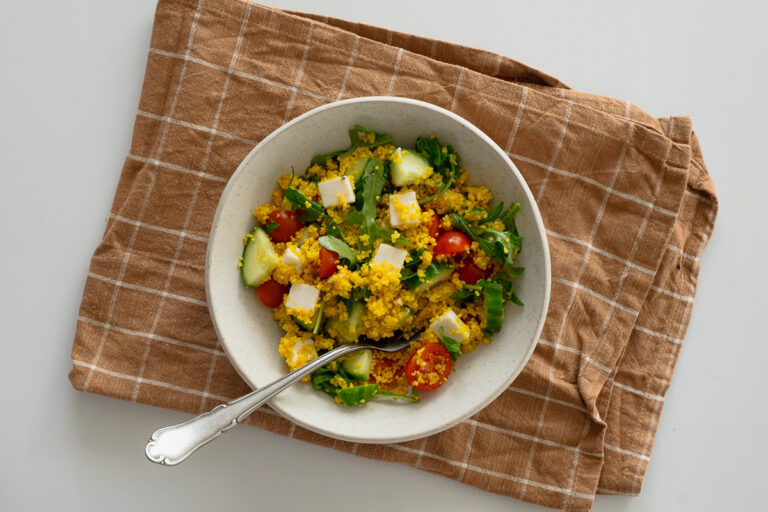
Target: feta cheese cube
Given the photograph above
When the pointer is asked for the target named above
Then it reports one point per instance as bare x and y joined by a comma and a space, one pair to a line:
404, 210
302, 352
451, 325
302, 297
336, 191
388, 255
292, 256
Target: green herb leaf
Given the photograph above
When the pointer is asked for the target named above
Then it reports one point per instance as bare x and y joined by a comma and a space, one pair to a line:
333, 229
451, 344
444, 161
338, 246
319, 319
358, 138
312, 209
271, 227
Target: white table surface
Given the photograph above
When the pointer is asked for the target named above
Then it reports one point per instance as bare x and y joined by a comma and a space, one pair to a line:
70, 78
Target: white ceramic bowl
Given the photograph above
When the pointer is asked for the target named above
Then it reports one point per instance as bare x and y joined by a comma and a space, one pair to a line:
249, 334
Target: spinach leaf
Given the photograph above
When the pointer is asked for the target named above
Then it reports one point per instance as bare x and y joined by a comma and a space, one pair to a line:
339, 247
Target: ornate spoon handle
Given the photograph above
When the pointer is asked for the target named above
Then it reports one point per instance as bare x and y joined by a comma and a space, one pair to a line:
172, 445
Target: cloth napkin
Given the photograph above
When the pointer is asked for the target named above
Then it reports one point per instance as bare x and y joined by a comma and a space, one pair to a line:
626, 200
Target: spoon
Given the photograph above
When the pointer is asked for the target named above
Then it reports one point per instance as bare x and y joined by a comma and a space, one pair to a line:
171, 445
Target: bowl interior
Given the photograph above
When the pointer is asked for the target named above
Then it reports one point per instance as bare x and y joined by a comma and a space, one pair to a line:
249, 334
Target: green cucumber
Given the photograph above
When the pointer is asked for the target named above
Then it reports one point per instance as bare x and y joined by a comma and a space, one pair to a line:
405, 316
358, 364
433, 274
358, 395
357, 168
494, 308
350, 329
259, 258
411, 167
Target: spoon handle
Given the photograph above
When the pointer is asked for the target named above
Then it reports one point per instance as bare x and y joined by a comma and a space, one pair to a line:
171, 445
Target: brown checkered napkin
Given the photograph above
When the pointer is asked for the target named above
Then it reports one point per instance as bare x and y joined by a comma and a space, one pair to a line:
626, 200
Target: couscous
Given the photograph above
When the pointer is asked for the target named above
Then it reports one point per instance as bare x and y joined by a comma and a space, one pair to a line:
375, 240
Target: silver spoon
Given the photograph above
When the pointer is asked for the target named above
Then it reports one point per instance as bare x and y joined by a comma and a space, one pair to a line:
172, 445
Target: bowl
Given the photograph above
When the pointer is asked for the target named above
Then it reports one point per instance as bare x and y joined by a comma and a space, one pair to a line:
249, 334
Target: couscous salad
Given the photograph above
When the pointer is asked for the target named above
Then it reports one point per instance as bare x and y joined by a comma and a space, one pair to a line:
374, 240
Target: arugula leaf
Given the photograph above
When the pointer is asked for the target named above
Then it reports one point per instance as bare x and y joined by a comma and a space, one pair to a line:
451, 344
359, 137
312, 209
271, 227
508, 218
333, 229
373, 178
444, 161
338, 246
502, 246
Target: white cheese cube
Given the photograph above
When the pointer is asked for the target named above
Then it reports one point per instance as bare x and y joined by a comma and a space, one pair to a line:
404, 210
292, 256
388, 255
302, 297
301, 353
336, 191
451, 325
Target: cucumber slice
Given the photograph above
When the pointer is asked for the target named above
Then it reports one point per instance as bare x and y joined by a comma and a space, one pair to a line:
411, 167
494, 308
433, 274
259, 259
357, 395
358, 364
350, 329
357, 168
405, 316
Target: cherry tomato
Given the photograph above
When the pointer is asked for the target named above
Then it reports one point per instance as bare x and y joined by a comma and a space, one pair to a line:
287, 224
434, 227
471, 273
451, 242
429, 367
328, 261
271, 293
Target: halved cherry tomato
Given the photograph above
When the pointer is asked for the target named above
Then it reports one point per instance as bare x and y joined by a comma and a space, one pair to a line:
434, 226
429, 367
271, 293
451, 242
328, 261
471, 273
287, 224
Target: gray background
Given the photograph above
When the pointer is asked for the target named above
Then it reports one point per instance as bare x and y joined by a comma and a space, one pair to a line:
70, 78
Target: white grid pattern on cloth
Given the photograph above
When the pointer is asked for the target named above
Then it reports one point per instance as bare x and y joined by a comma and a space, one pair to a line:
596, 183
193, 126
585, 357
578, 286
299, 72
458, 87
572, 297
639, 392
167, 231
623, 451
467, 449
148, 290
556, 152
157, 337
682, 252
174, 167
191, 206
548, 399
528, 437
161, 144
684, 298
601, 252
242, 74
488, 472
395, 71
348, 71
661, 335
518, 117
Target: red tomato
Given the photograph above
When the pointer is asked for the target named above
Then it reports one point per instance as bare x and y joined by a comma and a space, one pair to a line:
429, 367
271, 293
328, 261
287, 224
434, 227
471, 273
452, 242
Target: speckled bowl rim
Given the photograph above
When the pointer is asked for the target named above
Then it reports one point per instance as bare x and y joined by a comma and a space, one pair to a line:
538, 222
